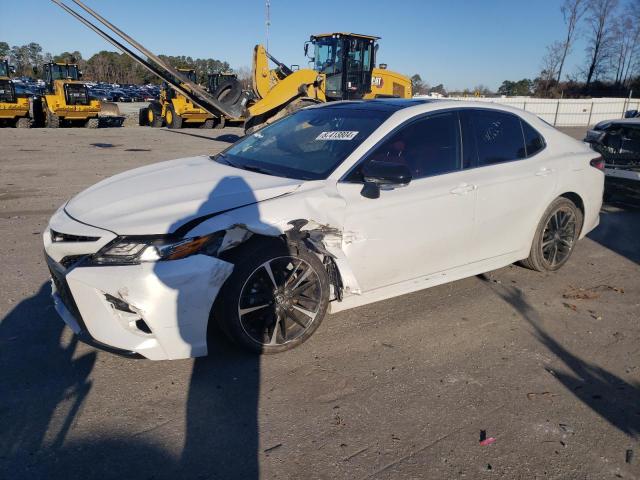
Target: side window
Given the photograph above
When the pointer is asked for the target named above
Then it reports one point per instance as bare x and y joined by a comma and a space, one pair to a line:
498, 137
430, 146
532, 139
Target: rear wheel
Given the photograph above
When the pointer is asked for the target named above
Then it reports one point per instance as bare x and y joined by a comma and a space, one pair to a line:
220, 123
275, 299
556, 236
208, 123
143, 116
53, 120
173, 119
92, 123
24, 122
154, 115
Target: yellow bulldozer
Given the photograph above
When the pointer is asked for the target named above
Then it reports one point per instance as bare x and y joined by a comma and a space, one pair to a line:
176, 110
66, 99
15, 110
343, 68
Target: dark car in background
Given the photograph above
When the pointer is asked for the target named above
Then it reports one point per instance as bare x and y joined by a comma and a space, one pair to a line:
618, 141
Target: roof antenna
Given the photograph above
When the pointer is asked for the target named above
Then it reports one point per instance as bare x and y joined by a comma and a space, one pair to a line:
268, 19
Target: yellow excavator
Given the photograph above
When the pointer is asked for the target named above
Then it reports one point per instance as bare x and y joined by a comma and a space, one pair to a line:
66, 99
175, 110
343, 69
15, 110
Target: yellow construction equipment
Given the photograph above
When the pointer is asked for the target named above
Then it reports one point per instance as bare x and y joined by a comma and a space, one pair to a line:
175, 110
15, 110
344, 68
66, 98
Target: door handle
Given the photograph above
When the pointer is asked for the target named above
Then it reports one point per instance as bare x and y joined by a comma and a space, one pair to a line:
463, 189
544, 171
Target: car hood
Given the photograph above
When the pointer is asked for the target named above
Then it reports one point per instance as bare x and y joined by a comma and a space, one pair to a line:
162, 197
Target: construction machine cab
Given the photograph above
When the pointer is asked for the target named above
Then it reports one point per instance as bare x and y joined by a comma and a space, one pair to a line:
4, 68
60, 71
347, 60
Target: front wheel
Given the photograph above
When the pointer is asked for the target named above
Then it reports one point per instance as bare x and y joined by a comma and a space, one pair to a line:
173, 119
555, 237
275, 299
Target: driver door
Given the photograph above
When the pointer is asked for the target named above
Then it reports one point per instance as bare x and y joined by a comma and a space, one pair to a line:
420, 229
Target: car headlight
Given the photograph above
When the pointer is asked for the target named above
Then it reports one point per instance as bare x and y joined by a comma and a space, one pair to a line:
134, 250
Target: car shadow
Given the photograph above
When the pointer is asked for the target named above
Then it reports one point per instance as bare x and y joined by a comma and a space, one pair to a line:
619, 230
611, 397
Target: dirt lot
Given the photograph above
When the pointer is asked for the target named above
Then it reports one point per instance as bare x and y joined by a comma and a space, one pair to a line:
548, 365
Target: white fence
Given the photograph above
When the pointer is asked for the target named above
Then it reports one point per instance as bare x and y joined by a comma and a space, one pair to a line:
567, 112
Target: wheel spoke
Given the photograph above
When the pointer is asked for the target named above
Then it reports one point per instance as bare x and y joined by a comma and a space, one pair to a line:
296, 319
302, 278
293, 273
308, 313
267, 267
244, 311
276, 327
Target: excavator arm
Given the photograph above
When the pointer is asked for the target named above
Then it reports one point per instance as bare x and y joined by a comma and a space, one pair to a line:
175, 79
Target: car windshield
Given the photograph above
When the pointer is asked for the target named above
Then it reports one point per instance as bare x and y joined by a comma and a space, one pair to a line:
307, 145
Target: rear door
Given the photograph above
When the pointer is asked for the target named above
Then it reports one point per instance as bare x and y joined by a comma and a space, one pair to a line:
515, 178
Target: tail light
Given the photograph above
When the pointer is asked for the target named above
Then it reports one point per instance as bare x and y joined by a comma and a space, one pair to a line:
598, 163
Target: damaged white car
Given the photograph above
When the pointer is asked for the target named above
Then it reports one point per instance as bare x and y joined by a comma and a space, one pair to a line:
333, 207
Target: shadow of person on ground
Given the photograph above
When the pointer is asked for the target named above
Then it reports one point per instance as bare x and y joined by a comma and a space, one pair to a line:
40, 375
222, 407
614, 399
619, 231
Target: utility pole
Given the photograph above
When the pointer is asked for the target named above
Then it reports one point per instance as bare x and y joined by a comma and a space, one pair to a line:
268, 20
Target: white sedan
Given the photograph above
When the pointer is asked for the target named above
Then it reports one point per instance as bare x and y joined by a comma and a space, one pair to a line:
333, 207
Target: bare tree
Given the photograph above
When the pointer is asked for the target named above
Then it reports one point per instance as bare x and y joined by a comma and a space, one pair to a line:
572, 12
600, 21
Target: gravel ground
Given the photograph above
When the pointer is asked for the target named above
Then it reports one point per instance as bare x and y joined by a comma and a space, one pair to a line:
547, 364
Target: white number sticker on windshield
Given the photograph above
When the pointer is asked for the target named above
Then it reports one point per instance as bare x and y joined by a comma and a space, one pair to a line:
337, 135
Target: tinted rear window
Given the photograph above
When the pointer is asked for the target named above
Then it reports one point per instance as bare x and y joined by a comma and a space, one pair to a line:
498, 136
533, 140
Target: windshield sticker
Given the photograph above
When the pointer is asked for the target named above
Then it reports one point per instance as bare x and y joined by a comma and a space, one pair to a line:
337, 135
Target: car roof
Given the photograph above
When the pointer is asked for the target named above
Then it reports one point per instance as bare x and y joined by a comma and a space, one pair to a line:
378, 104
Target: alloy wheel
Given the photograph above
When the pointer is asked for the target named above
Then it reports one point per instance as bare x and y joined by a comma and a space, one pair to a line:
280, 301
559, 236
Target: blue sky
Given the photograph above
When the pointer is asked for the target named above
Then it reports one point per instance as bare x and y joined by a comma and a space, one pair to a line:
454, 42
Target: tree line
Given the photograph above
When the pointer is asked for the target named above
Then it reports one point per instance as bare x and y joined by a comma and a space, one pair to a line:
611, 61
104, 66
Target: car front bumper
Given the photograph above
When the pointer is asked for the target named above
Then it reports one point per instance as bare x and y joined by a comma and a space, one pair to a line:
159, 310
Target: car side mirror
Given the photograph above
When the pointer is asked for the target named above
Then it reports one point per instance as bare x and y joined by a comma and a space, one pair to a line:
595, 137
379, 175
631, 114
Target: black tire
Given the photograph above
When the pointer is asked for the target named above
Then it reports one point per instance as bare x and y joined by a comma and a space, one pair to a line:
174, 121
281, 317
220, 123
208, 123
228, 92
555, 237
143, 121
154, 115
53, 120
24, 122
92, 123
